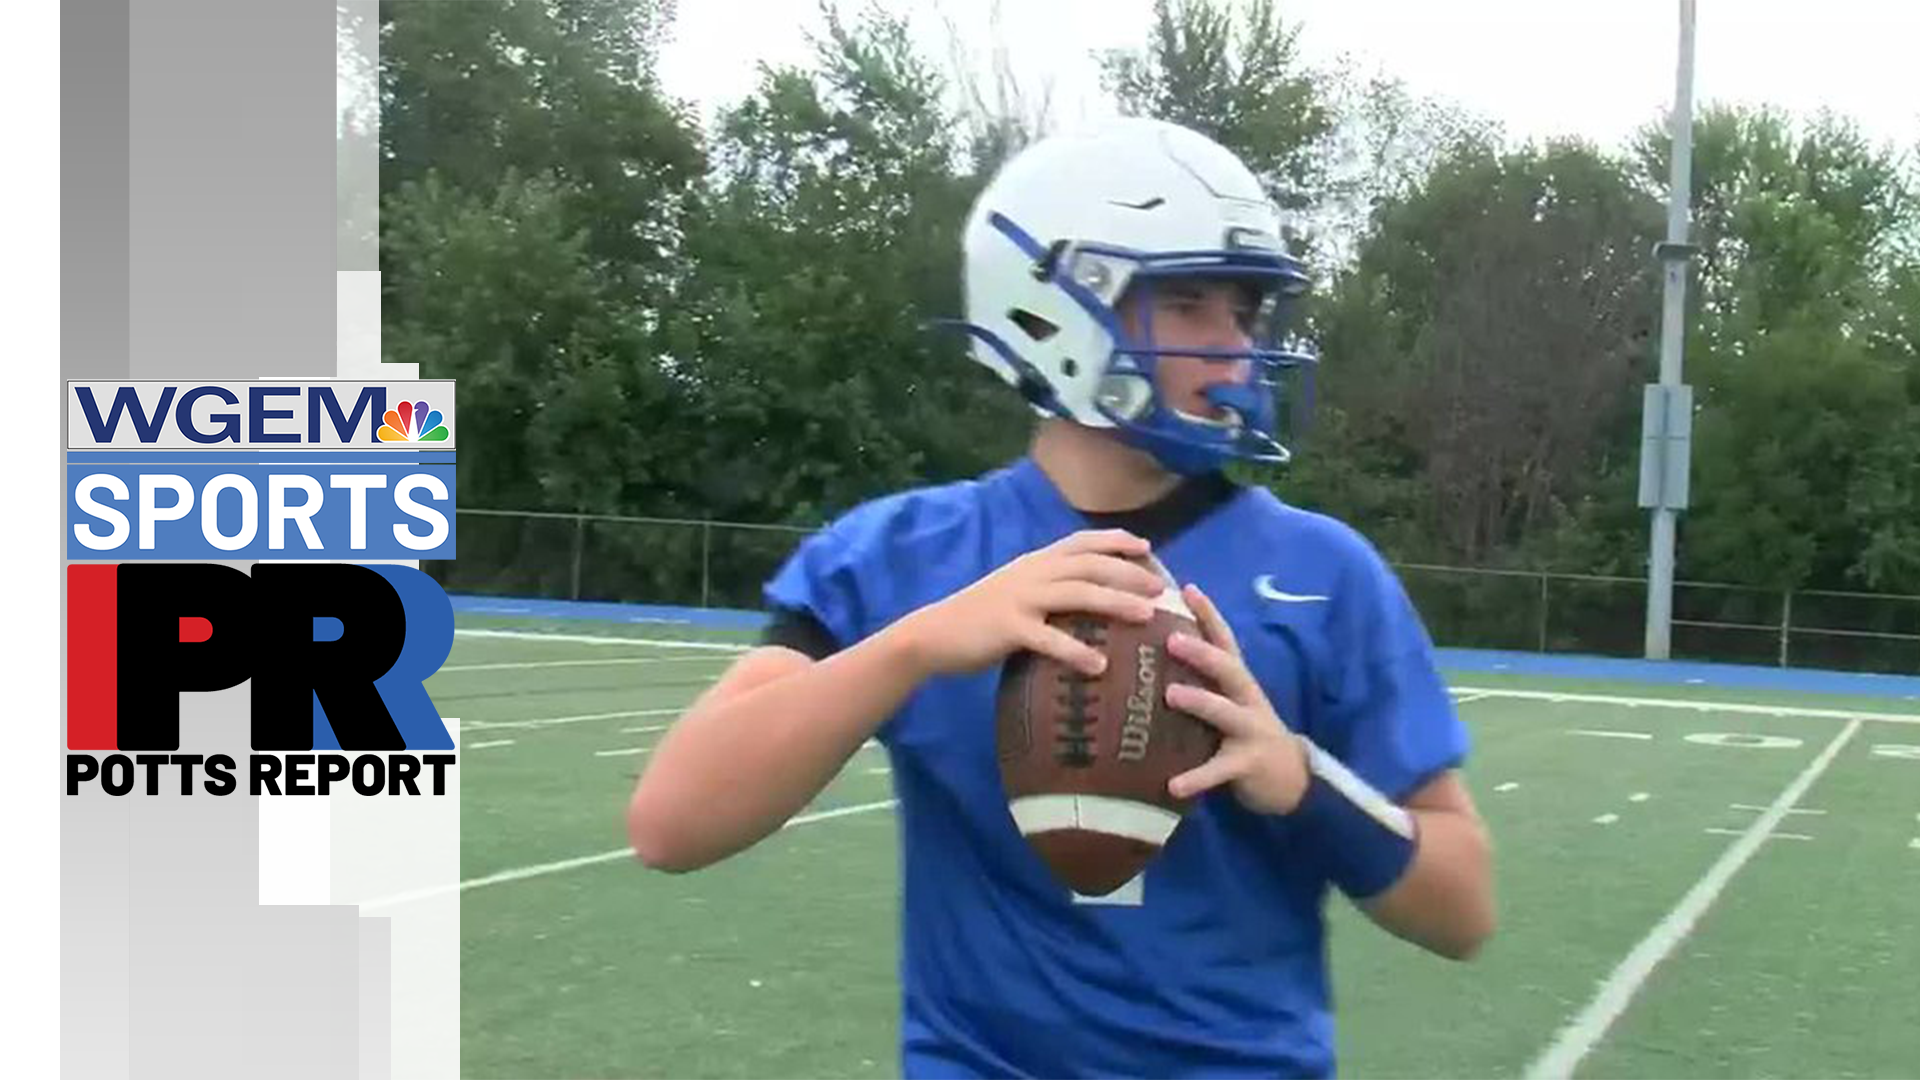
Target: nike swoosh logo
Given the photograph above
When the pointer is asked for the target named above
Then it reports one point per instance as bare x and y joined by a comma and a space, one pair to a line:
1265, 587
1148, 205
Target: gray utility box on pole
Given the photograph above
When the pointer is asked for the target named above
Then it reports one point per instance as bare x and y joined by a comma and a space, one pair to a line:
1666, 446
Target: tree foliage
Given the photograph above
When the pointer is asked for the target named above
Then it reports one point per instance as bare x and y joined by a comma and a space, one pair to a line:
1234, 73
1486, 345
648, 317
822, 253
1802, 349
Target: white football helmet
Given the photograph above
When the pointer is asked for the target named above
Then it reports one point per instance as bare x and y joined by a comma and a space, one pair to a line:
1072, 223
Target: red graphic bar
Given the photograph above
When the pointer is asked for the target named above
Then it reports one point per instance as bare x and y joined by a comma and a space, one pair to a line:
92, 658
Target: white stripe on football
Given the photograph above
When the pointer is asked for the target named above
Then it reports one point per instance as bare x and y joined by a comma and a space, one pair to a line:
1170, 598
1093, 813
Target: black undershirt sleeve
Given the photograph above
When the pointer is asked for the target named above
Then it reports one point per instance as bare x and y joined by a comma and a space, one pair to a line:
796, 629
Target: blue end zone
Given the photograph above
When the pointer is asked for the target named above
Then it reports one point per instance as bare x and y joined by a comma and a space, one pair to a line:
698, 618
1672, 672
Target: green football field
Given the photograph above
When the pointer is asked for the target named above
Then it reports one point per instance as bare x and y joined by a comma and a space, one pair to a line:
1693, 882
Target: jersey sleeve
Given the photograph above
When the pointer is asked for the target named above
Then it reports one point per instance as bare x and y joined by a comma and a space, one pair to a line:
1392, 720
819, 587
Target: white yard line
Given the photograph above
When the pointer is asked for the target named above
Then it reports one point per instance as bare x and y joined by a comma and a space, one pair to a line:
592, 639
1717, 831
1698, 706
487, 744
1761, 809
1581, 1034
543, 869
1603, 734
550, 721
523, 665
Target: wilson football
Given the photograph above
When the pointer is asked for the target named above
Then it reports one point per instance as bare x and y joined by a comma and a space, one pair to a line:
1085, 760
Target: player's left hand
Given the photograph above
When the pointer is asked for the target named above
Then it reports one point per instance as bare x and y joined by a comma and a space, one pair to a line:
1258, 755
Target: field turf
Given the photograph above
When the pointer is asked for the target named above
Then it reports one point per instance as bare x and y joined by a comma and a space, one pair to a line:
1693, 882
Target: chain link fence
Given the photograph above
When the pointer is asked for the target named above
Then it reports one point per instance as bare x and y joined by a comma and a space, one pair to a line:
1605, 615
720, 564
635, 560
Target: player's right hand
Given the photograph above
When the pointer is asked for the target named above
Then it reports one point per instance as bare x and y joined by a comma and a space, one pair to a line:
1007, 610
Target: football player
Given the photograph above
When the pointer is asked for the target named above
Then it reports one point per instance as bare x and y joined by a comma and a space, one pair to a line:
1132, 283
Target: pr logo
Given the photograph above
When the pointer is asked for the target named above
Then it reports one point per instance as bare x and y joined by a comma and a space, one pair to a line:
412, 421
337, 653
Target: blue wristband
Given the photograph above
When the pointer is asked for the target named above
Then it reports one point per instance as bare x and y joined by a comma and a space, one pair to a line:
1366, 840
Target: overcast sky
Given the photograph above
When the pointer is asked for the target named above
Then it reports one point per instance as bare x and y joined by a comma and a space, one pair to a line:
1593, 68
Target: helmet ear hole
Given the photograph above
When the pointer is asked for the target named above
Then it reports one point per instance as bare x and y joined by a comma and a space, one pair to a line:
1128, 395
1069, 367
1034, 326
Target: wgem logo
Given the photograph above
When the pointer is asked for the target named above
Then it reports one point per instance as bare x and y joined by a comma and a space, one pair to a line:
411, 421
330, 415
265, 470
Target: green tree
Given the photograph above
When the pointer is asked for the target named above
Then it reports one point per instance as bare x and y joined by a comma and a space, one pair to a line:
533, 185
826, 243
1239, 80
1483, 351
1384, 142
473, 91
1802, 349
555, 376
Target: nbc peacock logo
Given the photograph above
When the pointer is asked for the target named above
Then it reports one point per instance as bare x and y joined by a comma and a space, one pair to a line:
413, 421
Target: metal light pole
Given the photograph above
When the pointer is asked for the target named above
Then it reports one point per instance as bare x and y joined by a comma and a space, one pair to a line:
1667, 417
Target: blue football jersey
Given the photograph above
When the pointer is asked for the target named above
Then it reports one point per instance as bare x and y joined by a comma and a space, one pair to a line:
1217, 966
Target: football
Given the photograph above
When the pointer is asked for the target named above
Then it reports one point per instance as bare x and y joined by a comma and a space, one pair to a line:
1085, 760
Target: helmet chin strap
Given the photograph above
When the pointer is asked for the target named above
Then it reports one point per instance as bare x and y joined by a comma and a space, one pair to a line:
1194, 448
1253, 421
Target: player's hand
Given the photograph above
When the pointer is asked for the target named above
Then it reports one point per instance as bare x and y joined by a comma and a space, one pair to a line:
1007, 610
1258, 755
